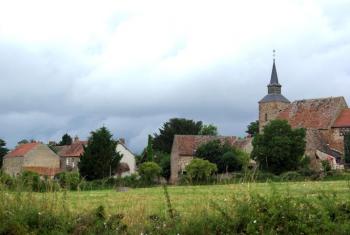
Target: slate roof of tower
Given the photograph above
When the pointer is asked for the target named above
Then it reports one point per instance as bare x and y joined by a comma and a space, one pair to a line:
274, 97
274, 77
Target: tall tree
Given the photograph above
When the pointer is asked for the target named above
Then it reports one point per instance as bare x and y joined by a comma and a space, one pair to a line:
24, 141
209, 129
149, 150
253, 128
100, 158
3, 150
66, 140
175, 126
280, 148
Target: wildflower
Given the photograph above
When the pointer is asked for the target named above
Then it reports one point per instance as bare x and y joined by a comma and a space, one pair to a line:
39, 213
254, 221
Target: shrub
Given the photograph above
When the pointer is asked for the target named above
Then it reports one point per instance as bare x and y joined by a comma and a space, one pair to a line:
326, 166
200, 170
68, 180
31, 180
149, 171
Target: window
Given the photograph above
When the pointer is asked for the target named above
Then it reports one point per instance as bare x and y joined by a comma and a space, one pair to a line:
265, 117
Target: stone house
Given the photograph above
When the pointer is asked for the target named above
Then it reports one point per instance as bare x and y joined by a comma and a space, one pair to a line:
34, 157
70, 154
324, 119
184, 150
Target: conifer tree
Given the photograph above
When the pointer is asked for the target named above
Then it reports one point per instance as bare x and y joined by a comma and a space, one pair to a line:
100, 158
3, 150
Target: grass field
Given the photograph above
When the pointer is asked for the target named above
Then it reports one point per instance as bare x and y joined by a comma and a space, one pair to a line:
137, 205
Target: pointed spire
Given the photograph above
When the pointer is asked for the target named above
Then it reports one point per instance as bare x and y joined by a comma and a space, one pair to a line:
274, 77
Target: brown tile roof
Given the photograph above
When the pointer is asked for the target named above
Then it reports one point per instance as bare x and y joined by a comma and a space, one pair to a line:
21, 150
76, 149
343, 120
43, 170
187, 144
313, 113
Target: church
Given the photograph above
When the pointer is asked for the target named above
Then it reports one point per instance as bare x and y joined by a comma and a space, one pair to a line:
326, 121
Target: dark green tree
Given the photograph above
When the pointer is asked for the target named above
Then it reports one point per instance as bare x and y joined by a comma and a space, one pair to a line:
24, 141
149, 150
226, 157
3, 150
347, 148
100, 158
209, 130
279, 148
66, 140
253, 128
175, 126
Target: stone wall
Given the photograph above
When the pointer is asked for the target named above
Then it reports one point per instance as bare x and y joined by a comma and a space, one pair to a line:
12, 165
269, 111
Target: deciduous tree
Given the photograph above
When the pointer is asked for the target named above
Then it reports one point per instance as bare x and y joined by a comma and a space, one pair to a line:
280, 148
253, 128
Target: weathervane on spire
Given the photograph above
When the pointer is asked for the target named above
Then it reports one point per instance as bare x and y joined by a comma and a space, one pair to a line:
274, 54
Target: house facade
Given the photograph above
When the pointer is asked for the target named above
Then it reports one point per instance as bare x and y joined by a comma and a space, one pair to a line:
127, 165
324, 120
70, 155
34, 157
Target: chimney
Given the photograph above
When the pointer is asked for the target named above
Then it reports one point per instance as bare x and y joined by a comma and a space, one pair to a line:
122, 141
76, 139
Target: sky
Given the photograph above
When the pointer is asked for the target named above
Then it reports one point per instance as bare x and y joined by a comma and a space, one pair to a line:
75, 66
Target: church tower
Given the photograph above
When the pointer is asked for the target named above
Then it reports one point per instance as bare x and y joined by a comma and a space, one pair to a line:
273, 103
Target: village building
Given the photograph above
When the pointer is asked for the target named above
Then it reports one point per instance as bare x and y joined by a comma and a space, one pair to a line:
127, 164
324, 119
34, 157
185, 146
70, 154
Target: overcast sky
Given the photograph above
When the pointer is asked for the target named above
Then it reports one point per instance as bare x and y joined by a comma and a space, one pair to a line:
73, 66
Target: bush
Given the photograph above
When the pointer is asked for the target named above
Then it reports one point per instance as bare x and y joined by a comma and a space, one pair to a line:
200, 170
326, 166
69, 180
149, 172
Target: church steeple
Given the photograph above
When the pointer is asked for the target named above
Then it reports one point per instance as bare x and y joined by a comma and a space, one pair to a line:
274, 87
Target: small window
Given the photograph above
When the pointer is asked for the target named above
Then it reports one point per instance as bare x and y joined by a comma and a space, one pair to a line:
265, 117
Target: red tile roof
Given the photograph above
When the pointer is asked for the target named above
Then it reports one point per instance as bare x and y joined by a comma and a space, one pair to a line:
313, 113
187, 144
21, 150
76, 149
343, 120
43, 170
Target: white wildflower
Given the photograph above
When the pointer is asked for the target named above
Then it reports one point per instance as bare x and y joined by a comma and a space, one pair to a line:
254, 221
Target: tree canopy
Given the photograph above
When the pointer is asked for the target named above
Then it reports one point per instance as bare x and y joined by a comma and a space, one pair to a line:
280, 148
175, 126
66, 140
3, 150
209, 129
253, 128
226, 157
100, 158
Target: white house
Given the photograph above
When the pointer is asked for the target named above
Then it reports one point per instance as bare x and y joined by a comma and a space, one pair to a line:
127, 165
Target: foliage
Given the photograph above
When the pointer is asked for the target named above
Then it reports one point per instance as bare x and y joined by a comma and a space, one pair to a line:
149, 171
200, 170
280, 148
175, 126
326, 166
149, 150
225, 156
69, 180
24, 141
66, 140
3, 150
209, 130
253, 128
100, 158
347, 148
163, 160
291, 176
